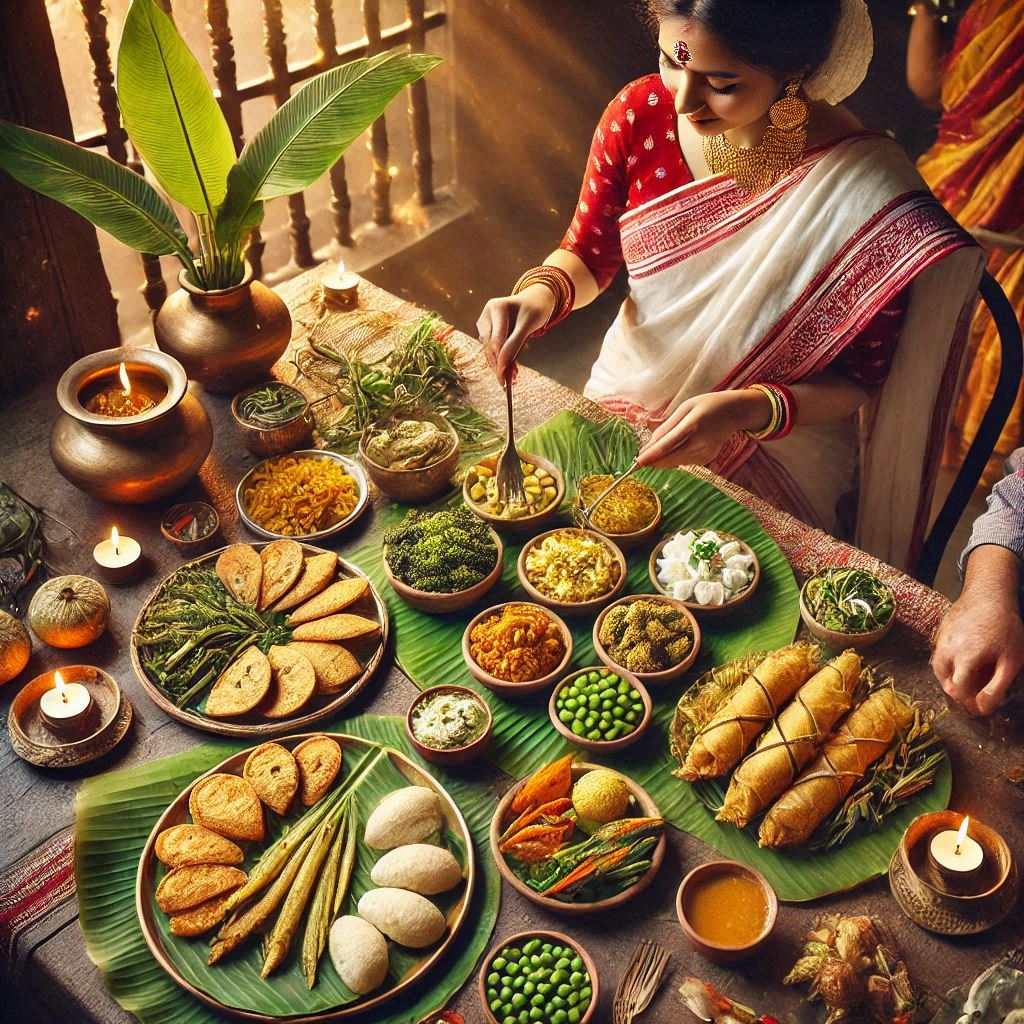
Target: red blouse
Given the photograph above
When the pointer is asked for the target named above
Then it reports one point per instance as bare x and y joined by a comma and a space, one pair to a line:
634, 158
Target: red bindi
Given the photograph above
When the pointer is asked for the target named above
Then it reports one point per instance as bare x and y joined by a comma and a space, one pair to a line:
681, 51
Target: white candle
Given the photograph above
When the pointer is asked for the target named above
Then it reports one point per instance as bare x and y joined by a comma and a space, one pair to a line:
342, 285
65, 706
956, 852
117, 557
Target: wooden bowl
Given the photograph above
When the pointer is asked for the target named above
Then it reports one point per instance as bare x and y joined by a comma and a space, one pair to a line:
712, 951
455, 755
649, 678
285, 437
706, 609
518, 940
436, 604
644, 805
571, 607
626, 541
503, 686
603, 746
525, 524
841, 641
413, 485
199, 509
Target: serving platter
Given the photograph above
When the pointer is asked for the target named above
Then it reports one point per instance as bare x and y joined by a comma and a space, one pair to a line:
319, 707
234, 987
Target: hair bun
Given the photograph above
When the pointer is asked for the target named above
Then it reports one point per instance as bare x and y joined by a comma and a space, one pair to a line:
847, 63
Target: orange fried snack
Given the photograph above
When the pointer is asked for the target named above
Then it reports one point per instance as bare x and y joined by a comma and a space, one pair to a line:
546, 784
298, 496
519, 645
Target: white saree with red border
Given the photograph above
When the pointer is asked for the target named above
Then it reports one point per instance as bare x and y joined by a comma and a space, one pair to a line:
728, 288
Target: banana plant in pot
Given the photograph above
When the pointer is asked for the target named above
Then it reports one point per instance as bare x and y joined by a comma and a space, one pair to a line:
224, 327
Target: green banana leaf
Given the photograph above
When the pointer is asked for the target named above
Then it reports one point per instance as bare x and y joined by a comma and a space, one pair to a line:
428, 649
109, 195
116, 812
306, 136
170, 112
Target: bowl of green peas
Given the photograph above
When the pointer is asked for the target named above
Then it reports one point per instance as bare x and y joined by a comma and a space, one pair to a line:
600, 709
538, 976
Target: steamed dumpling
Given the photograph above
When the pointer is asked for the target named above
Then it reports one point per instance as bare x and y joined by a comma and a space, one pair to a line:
408, 918
735, 579
709, 593
730, 548
428, 870
359, 953
741, 561
682, 590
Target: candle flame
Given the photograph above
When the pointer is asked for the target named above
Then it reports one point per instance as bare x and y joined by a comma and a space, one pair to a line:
962, 834
59, 686
115, 540
126, 384
341, 267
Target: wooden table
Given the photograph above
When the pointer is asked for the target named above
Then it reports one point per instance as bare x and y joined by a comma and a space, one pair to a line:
48, 955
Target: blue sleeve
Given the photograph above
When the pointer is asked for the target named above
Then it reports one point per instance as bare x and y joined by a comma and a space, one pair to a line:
1003, 523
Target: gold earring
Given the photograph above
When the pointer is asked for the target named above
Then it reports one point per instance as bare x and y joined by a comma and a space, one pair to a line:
790, 112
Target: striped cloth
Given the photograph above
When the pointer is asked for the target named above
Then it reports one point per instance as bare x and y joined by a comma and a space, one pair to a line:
1003, 523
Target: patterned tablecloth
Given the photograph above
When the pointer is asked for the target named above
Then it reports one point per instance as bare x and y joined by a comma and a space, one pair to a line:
40, 941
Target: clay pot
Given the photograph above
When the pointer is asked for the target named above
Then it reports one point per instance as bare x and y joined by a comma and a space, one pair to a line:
138, 458
227, 338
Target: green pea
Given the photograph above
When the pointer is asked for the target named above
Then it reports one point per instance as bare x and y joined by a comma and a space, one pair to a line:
623, 687
546, 947
545, 958
499, 963
505, 994
574, 998
544, 988
594, 676
562, 963
559, 1017
574, 1015
578, 728
529, 988
559, 977
518, 1000
594, 734
493, 978
572, 703
576, 978
618, 712
538, 1000
632, 716
495, 1005
606, 716
576, 964
585, 993
508, 1017
581, 714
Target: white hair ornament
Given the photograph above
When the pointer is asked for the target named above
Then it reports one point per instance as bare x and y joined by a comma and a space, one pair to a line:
847, 63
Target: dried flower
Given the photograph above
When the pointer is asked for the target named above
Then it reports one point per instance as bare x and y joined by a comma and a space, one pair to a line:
839, 985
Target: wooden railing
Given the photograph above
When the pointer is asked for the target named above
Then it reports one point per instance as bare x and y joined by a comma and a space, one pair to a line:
277, 83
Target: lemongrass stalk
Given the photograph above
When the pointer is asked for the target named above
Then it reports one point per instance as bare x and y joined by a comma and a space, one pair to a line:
319, 920
348, 859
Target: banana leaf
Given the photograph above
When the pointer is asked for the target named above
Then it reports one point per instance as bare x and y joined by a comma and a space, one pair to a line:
428, 649
115, 813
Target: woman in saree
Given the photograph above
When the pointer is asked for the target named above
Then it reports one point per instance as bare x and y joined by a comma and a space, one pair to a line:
976, 169
797, 298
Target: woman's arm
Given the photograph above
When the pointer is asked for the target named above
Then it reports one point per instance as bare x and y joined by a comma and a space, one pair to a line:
925, 49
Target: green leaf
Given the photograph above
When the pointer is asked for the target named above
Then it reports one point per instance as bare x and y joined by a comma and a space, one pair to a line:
170, 112
109, 195
306, 135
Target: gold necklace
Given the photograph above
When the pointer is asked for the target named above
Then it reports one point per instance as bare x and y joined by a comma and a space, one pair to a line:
759, 167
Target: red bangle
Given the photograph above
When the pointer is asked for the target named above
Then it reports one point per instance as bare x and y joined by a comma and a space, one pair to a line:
561, 286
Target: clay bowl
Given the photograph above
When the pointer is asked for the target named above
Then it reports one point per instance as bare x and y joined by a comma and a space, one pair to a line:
456, 755
643, 806
437, 604
504, 686
705, 609
603, 746
712, 951
204, 513
841, 641
572, 607
284, 437
413, 485
526, 524
518, 940
626, 541
649, 678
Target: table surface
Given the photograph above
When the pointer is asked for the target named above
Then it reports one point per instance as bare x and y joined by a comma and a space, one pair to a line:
35, 804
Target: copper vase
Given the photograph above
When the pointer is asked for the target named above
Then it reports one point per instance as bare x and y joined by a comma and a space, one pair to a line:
228, 338
138, 458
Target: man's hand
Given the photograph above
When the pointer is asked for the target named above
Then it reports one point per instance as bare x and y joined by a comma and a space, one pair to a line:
979, 650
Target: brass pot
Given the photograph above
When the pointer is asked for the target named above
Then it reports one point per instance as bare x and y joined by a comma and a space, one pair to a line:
137, 458
228, 338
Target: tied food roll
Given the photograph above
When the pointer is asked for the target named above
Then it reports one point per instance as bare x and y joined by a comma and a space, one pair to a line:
723, 741
793, 740
863, 737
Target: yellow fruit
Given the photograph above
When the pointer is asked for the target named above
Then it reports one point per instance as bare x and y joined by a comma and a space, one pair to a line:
69, 611
598, 797
15, 647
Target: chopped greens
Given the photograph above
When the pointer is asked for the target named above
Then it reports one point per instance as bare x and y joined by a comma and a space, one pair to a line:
849, 600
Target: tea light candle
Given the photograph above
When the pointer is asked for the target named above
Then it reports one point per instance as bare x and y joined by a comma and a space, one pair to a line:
341, 287
118, 558
957, 856
66, 709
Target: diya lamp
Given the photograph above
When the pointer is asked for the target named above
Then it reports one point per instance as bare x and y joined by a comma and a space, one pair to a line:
957, 857
67, 709
341, 288
118, 559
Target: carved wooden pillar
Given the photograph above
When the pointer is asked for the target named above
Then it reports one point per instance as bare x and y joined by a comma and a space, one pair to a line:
380, 178
419, 111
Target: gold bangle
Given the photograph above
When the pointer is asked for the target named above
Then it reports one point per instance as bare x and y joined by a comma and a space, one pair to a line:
777, 413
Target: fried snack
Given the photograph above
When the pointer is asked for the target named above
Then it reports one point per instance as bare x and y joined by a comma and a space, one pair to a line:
862, 738
337, 627
241, 571
282, 566
271, 770
333, 666
722, 742
186, 887
336, 598
193, 844
299, 495
241, 686
228, 805
792, 741
293, 682
319, 760
317, 573
195, 922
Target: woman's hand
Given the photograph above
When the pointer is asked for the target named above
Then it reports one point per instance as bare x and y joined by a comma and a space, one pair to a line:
697, 429
506, 323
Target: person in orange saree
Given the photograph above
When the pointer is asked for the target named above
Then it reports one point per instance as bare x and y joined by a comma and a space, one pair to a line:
976, 169
798, 300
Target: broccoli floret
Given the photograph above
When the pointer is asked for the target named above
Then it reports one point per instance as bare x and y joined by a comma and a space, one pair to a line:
440, 552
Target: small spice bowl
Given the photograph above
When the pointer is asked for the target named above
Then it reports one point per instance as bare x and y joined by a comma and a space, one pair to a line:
602, 746
836, 639
454, 755
421, 483
437, 604
281, 437
693, 606
571, 607
518, 941
626, 541
190, 526
506, 687
524, 524
649, 678
719, 953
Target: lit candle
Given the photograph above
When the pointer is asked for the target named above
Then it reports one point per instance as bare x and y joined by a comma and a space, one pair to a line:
66, 709
120, 401
118, 558
957, 856
341, 287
